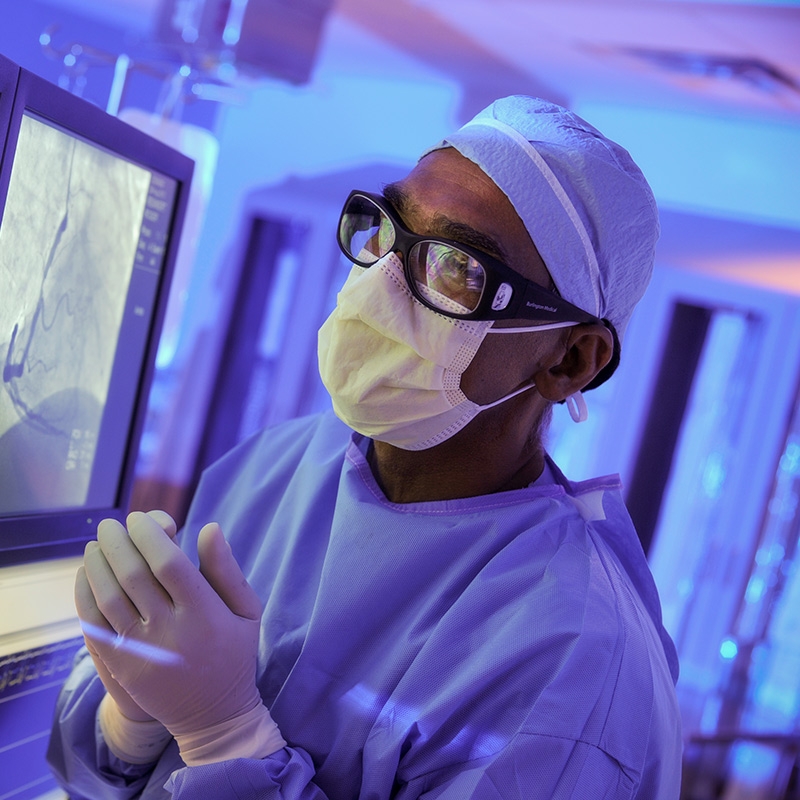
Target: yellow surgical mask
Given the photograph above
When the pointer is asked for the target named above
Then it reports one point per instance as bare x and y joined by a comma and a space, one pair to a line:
393, 367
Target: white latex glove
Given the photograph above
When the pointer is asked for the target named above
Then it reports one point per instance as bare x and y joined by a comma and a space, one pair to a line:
85, 603
134, 741
181, 642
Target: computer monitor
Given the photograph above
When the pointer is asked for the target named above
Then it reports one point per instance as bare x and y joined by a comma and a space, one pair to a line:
90, 215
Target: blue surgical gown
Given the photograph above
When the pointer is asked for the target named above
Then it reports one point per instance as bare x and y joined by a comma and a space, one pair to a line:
504, 646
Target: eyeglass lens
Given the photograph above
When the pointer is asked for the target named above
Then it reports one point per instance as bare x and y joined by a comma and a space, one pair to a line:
365, 232
446, 277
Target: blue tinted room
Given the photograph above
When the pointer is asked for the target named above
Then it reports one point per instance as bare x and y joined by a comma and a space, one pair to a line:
283, 109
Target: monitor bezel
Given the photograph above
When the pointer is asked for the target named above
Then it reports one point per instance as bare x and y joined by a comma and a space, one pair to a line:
62, 533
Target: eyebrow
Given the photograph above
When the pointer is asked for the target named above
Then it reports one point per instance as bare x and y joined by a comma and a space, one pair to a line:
444, 226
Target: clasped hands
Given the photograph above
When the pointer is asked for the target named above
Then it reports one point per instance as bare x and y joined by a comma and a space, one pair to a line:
175, 643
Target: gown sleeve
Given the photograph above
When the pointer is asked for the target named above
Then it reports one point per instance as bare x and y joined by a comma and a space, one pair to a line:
79, 758
285, 775
86, 769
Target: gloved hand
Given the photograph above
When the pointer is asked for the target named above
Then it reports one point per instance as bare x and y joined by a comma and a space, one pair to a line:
181, 643
87, 610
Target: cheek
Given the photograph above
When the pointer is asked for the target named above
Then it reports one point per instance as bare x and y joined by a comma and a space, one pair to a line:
503, 363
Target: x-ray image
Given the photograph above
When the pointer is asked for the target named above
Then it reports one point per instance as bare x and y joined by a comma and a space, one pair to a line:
68, 243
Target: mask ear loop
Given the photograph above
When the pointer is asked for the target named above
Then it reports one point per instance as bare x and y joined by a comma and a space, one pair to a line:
577, 407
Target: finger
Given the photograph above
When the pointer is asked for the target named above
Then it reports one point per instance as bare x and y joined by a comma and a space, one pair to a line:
104, 638
101, 637
165, 521
220, 569
94, 626
173, 570
85, 602
131, 570
109, 603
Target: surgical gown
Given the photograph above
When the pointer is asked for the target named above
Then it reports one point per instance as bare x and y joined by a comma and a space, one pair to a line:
503, 646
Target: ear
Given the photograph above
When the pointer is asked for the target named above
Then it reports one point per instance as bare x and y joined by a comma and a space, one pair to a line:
588, 348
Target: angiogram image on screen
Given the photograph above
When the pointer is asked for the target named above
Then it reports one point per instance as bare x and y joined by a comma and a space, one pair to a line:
68, 242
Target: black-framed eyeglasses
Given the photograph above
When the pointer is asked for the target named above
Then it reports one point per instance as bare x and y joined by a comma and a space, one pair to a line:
449, 277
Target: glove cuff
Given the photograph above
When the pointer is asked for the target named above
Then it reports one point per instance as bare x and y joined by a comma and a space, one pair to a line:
133, 741
251, 735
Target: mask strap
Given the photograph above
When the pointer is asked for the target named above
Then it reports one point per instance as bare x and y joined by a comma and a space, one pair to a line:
577, 407
508, 397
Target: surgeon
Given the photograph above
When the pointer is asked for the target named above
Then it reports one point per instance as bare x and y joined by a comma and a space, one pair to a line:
406, 598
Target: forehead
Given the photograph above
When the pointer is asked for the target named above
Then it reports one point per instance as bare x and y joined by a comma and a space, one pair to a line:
445, 188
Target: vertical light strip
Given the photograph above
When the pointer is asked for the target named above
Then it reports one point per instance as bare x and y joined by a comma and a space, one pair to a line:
121, 66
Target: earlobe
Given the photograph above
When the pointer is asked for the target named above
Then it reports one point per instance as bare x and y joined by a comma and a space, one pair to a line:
587, 349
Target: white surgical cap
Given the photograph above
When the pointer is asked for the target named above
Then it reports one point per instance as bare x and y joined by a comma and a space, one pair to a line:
586, 205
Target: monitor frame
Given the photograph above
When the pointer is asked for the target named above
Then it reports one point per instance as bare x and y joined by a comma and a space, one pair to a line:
49, 534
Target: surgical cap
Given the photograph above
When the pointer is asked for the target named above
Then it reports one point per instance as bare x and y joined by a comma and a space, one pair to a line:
585, 203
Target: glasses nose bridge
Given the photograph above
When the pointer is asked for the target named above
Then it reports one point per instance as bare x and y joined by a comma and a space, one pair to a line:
404, 241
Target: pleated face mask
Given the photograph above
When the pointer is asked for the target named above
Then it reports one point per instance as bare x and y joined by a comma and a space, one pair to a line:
393, 367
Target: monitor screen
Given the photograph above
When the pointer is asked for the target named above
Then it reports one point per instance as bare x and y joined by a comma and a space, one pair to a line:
89, 229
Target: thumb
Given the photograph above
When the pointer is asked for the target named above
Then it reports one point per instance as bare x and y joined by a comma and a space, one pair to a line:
223, 574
